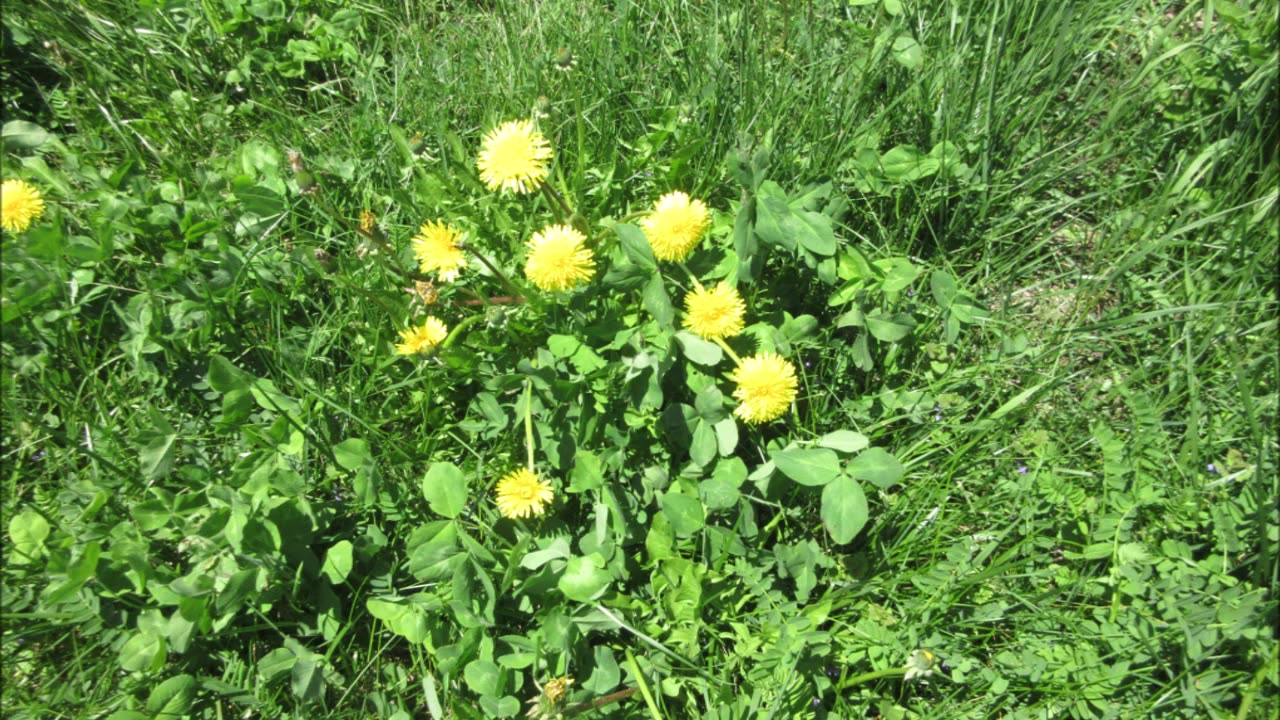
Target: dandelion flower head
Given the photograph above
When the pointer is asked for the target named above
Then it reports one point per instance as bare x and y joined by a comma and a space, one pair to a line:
558, 258
676, 225
522, 494
20, 205
423, 338
714, 313
437, 247
514, 156
766, 386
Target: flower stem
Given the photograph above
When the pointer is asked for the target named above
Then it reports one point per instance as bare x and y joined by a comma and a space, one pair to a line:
528, 421
457, 330
737, 360
557, 199
873, 675
515, 291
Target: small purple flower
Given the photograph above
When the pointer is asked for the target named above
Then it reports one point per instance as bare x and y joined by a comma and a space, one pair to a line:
1211, 468
816, 703
1022, 469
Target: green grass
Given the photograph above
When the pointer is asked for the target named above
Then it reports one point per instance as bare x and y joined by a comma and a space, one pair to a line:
214, 462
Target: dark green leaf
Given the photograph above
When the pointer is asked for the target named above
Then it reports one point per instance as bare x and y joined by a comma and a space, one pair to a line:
445, 488
844, 508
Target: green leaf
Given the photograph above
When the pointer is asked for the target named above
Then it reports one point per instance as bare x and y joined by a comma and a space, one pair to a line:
587, 474
337, 562
658, 303
403, 617
483, 676
878, 467
845, 441
172, 698
563, 346
156, 447
703, 446
944, 287
815, 234
28, 531
445, 488
605, 677
636, 246
890, 328
709, 404
908, 52
225, 377
142, 652
899, 273
905, 163
685, 513
703, 352
718, 493
584, 578
307, 681
808, 466
276, 664
844, 509
352, 453
23, 135
727, 436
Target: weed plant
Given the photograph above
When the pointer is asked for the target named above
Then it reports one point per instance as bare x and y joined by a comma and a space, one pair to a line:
1020, 257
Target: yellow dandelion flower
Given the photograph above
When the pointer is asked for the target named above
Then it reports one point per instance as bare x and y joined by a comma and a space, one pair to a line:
423, 338
558, 259
437, 247
521, 494
20, 205
766, 386
714, 313
514, 156
676, 225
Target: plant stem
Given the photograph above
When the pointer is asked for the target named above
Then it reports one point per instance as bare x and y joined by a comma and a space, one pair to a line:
528, 421
515, 291
873, 675
457, 330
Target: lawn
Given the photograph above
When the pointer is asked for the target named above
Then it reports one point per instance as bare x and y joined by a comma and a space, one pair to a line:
827, 359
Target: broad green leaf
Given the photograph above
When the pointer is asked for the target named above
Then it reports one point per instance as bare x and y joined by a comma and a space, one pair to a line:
28, 530
23, 135
563, 346
172, 698
587, 474
483, 676
685, 513
944, 287
845, 441
307, 680
890, 328
337, 562
156, 446
775, 223
658, 302
703, 445
636, 246
844, 508
605, 676
225, 377
403, 617
899, 272
352, 453
142, 652
445, 488
905, 163
718, 493
878, 467
908, 52
276, 664
808, 466
709, 404
585, 578
727, 436
815, 234
703, 352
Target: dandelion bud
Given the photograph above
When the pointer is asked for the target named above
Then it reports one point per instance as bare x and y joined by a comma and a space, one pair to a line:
417, 144
565, 61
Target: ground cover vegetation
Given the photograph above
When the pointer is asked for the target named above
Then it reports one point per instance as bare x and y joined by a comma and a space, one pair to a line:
899, 359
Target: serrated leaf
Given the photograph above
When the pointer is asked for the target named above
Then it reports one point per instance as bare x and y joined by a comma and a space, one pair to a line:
844, 509
808, 466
